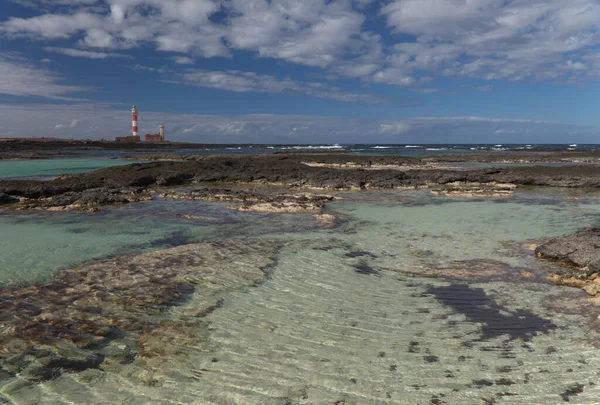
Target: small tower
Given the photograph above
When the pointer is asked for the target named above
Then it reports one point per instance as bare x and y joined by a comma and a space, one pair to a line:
134, 121
161, 132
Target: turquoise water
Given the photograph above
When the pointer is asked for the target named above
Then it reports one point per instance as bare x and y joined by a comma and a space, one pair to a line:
46, 168
35, 245
347, 315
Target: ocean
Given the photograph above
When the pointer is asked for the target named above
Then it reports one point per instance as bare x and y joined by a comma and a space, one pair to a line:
81, 161
410, 298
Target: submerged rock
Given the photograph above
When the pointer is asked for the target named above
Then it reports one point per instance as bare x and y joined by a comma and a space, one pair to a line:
71, 322
475, 270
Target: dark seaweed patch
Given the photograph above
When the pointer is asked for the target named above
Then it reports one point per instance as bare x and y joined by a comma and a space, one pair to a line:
57, 366
482, 383
363, 268
571, 391
435, 400
413, 347
480, 308
359, 253
177, 238
431, 359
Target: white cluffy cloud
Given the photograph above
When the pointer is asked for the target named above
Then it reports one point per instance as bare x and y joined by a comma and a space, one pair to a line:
495, 39
241, 82
553, 40
19, 77
100, 121
86, 54
73, 124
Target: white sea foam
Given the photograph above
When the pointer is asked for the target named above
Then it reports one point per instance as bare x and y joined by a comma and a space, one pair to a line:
335, 146
412, 146
436, 149
381, 147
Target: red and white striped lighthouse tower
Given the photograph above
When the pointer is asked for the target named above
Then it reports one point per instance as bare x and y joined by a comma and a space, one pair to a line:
134, 127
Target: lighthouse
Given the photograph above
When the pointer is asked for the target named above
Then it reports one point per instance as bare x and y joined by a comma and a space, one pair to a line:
134, 129
134, 121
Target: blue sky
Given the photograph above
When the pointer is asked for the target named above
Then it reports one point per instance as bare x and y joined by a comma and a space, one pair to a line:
290, 71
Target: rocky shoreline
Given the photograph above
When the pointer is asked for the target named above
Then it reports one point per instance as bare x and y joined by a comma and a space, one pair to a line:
136, 182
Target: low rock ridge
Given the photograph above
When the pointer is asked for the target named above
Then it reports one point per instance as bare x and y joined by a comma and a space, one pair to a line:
282, 170
579, 254
475, 190
86, 200
254, 201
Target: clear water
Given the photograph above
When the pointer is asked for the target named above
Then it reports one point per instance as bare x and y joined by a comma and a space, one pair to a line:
320, 331
48, 168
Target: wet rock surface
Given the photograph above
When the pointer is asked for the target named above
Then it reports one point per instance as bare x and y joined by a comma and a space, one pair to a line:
475, 190
580, 249
290, 170
579, 253
255, 201
89, 199
118, 312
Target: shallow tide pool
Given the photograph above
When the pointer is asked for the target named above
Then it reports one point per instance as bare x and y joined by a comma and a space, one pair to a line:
347, 315
48, 168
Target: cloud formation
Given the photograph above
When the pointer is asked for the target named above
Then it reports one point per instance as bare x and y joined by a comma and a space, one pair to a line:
19, 77
241, 82
86, 54
553, 40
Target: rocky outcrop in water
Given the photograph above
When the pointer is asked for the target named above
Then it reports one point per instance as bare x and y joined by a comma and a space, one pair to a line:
290, 170
580, 254
475, 190
254, 201
88, 200
119, 313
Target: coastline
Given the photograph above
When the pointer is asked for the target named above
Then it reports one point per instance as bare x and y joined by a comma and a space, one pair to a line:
178, 293
297, 171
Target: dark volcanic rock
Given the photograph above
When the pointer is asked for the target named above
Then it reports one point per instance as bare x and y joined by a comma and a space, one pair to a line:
580, 253
328, 171
89, 199
7, 199
581, 249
